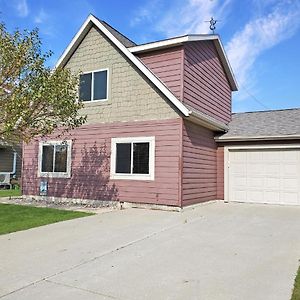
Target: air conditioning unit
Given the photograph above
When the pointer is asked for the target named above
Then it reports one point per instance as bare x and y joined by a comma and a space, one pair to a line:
5, 178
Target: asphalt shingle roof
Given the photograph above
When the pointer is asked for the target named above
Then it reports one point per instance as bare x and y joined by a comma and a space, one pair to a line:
264, 123
118, 35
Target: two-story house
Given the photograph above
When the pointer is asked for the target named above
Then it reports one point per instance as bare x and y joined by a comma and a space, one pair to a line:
157, 114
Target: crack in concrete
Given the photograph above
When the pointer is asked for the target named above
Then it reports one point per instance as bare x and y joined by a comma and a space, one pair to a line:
97, 257
81, 289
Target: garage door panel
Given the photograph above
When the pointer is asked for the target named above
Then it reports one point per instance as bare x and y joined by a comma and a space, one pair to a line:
264, 176
254, 182
274, 156
272, 183
240, 195
238, 169
255, 169
290, 184
289, 198
253, 195
271, 169
291, 156
290, 170
240, 183
272, 197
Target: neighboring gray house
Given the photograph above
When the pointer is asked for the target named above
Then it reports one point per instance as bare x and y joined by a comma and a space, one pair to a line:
10, 163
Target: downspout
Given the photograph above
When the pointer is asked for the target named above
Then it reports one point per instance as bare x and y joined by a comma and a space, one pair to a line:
14, 164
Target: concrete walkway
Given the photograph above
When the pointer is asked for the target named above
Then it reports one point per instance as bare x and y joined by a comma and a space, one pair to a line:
216, 251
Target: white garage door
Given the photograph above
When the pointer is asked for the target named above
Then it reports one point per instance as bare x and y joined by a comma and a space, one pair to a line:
264, 176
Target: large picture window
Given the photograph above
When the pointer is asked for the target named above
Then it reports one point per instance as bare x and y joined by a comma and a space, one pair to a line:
133, 158
94, 86
54, 159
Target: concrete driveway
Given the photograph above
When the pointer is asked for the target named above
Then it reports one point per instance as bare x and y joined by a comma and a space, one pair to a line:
216, 251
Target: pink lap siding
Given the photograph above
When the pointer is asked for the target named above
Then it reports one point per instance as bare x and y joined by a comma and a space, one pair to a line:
206, 87
90, 175
167, 66
199, 181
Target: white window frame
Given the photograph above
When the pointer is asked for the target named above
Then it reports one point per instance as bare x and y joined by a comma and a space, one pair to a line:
92, 86
115, 141
66, 174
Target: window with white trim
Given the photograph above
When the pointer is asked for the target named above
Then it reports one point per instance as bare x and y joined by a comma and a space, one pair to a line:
133, 158
55, 159
93, 86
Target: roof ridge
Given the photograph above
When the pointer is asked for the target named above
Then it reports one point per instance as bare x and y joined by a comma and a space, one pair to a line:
265, 111
177, 37
117, 31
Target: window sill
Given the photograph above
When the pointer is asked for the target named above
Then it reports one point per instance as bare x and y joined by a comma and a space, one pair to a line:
95, 101
145, 177
54, 175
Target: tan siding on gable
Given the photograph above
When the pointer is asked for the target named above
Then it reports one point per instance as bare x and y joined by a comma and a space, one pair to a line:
131, 96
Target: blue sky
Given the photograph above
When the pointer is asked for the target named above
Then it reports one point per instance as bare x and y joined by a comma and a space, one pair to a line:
261, 37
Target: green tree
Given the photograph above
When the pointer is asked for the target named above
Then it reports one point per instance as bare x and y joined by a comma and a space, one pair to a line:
34, 99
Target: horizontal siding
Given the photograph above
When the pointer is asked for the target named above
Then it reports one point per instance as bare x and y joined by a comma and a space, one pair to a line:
199, 177
167, 66
205, 86
91, 165
220, 173
7, 158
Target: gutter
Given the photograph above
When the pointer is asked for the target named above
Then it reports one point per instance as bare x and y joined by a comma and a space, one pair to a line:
200, 118
257, 138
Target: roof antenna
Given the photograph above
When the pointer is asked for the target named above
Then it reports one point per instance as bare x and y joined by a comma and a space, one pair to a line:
212, 25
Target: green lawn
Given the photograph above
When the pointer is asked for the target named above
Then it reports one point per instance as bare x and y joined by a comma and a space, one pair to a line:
296, 291
8, 193
20, 217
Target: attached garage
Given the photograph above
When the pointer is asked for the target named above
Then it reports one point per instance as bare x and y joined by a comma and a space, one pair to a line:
259, 158
263, 175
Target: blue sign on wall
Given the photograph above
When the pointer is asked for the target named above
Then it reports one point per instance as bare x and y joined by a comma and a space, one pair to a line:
43, 188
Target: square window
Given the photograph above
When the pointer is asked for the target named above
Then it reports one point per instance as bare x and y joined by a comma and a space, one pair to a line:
133, 158
93, 86
55, 159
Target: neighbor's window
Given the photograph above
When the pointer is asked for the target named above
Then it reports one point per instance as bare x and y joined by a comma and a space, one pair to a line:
93, 86
132, 158
54, 159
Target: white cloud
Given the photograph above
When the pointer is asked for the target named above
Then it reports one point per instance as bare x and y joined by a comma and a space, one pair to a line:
270, 22
41, 17
259, 35
21, 7
192, 17
182, 17
145, 13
